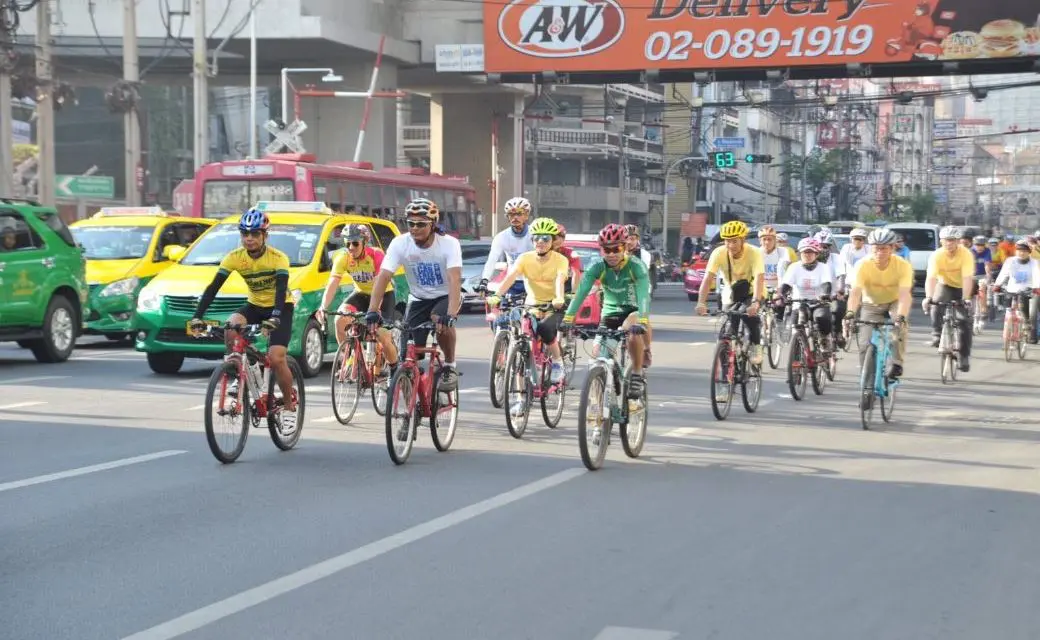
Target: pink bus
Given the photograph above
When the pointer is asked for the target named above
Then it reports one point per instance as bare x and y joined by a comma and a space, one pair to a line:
227, 188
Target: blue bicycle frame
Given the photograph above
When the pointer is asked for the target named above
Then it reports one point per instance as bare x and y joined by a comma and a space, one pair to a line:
882, 341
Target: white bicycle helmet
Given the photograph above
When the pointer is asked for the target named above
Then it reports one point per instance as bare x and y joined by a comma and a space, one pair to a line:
882, 237
858, 232
518, 204
824, 237
950, 233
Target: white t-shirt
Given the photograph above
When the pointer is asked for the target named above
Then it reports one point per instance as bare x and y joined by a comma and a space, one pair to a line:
774, 264
426, 269
507, 244
851, 256
1017, 277
806, 284
836, 265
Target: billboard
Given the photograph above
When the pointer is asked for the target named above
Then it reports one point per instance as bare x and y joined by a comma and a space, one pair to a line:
532, 36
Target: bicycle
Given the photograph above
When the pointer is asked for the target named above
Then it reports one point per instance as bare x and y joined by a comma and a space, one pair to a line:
874, 380
413, 394
528, 376
358, 367
730, 366
978, 317
1013, 334
949, 340
773, 338
604, 399
250, 369
807, 354
505, 335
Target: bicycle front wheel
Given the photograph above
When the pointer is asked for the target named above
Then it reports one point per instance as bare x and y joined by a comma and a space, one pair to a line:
867, 378
231, 410
497, 377
284, 426
444, 415
400, 423
553, 401
633, 429
346, 381
751, 388
797, 364
517, 398
888, 400
721, 381
594, 422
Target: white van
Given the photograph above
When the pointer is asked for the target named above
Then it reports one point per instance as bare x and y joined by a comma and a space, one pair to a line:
922, 239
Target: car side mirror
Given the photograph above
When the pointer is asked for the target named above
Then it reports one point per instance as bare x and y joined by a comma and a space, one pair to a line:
173, 252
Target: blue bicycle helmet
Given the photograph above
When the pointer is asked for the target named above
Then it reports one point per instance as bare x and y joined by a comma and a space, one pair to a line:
254, 220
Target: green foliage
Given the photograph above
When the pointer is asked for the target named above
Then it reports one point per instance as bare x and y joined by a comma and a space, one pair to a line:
920, 206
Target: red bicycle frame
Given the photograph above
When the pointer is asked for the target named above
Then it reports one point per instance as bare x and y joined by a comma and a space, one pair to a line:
422, 391
241, 349
538, 356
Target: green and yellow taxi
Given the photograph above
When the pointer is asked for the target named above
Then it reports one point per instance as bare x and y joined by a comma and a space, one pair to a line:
307, 232
125, 248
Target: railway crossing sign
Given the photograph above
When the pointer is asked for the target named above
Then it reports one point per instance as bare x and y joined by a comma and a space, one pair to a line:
287, 138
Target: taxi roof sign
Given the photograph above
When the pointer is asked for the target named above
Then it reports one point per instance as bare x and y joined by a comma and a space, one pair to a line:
275, 206
106, 212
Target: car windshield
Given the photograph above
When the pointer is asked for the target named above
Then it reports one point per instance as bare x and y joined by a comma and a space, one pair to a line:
918, 239
298, 241
475, 254
113, 243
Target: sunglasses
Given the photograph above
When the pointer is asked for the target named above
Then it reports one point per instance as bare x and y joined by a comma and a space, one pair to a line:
542, 238
417, 224
613, 249
251, 234
515, 214
354, 243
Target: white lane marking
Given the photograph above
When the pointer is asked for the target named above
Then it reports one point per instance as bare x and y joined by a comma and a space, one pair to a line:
333, 418
628, 633
681, 432
82, 471
196, 407
280, 586
32, 379
160, 387
785, 396
473, 390
19, 404
697, 344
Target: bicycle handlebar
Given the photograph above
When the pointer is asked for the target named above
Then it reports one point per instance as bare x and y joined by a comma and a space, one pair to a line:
611, 334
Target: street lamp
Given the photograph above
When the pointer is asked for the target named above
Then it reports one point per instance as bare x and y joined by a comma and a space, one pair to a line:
330, 76
664, 215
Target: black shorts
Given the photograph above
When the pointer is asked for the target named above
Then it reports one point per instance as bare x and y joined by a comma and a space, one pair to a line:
614, 321
255, 315
420, 311
360, 302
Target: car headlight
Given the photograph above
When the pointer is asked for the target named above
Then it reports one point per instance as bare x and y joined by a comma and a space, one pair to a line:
297, 295
149, 300
123, 287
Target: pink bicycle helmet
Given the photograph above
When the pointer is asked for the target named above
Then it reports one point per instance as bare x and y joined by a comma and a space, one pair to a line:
809, 244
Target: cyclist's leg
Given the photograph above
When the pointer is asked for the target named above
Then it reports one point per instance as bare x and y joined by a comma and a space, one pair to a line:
446, 340
548, 333
964, 321
417, 312
899, 338
276, 352
824, 321
246, 314
354, 302
386, 339
837, 310
942, 293
636, 348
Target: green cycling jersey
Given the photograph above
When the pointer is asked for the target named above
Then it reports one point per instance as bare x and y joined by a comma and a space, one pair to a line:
625, 287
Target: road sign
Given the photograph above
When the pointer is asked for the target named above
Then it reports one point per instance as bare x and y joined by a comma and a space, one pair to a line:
184, 196
287, 138
85, 187
730, 143
670, 189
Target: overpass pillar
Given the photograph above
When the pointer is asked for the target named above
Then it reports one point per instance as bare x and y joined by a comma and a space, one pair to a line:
461, 127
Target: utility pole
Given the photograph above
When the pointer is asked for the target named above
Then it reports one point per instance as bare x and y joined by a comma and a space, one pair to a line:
621, 172
200, 75
44, 108
6, 113
131, 123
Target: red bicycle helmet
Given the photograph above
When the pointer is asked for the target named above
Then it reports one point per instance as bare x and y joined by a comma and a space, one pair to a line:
562, 230
612, 234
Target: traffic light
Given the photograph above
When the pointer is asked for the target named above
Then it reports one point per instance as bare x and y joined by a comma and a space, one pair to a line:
755, 158
722, 159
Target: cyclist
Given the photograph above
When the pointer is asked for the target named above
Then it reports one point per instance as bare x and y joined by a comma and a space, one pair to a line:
774, 258
626, 297
839, 274
544, 272
266, 274
950, 277
881, 286
998, 254
983, 268
902, 250
633, 246
510, 242
572, 259
1020, 274
361, 262
810, 280
432, 264
743, 272
855, 250
784, 243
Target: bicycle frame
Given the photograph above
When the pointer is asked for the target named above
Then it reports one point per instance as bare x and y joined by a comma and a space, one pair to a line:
422, 391
613, 365
882, 341
804, 324
538, 356
950, 338
241, 352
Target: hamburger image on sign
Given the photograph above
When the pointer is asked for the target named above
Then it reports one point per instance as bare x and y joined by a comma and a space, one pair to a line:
1002, 38
962, 45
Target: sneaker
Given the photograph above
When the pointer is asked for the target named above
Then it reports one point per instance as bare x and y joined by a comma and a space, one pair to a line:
288, 422
965, 365
636, 384
756, 355
556, 374
449, 379
896, 371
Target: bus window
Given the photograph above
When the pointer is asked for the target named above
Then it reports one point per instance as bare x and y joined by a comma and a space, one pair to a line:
351, 197
230, 197
389, 203
384, 234
403, 197
329, 192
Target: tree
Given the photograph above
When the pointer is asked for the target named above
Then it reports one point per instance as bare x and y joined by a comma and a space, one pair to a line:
821, 169
919, 206
22, 152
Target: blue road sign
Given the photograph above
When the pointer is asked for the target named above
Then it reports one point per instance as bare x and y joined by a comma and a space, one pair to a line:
729, 143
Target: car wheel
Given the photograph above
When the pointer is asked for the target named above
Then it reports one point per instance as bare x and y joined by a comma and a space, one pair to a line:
312, 347
165, 363
59, 332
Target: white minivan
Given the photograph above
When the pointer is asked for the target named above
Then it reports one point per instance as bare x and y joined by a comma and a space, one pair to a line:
922, 239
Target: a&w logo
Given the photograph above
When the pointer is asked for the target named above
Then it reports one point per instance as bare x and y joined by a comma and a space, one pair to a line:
560, 28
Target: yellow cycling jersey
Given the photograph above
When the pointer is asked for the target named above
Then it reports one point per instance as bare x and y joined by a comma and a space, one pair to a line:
258, 273
951, 270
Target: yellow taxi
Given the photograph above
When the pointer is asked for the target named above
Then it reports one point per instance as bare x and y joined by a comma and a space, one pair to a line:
307, 232
125, 247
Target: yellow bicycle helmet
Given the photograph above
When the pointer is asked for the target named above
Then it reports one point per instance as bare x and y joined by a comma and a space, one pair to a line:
734, 229
544, 226
767, 230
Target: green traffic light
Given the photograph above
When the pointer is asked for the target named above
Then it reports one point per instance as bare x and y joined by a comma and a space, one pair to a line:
749, 158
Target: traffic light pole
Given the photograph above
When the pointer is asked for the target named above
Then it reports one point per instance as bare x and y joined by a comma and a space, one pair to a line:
667, 174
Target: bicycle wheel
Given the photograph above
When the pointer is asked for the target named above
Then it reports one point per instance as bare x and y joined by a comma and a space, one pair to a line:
594, 423
888, 401
633, 429
345, 381
721, 381
497, 376
285, 428
552, 402
946, 368
866, 386
797, 377
1021, 349
444, 415
772, 339
235, 411
819, 374
751, 387
569, 351
516, 402
400, 423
